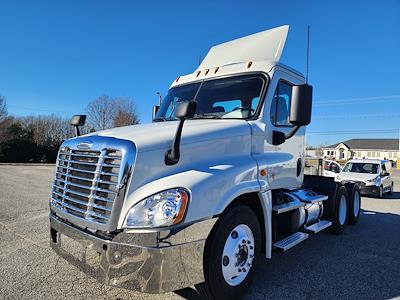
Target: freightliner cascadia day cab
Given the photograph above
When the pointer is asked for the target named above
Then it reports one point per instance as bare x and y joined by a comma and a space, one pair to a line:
211, 186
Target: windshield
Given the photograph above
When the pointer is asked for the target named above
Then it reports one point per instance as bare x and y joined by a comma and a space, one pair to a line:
368, 168
229, 98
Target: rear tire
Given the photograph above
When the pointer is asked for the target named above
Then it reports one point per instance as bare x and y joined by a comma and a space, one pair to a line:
234, 243
340, 208
354, 205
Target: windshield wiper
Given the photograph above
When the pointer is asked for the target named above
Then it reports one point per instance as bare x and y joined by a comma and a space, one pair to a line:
160, 119
207, 116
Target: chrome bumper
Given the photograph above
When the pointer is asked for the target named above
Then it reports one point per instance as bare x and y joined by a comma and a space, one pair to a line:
147, 262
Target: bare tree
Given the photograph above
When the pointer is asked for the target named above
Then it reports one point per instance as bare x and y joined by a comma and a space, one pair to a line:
100, 113
125, 113
49, 130
105, 112
3, 108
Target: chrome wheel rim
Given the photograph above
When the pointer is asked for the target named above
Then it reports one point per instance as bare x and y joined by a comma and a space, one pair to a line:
238, 255
342, 210
356, 206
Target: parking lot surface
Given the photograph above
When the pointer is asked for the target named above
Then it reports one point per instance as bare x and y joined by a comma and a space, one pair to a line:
363, 262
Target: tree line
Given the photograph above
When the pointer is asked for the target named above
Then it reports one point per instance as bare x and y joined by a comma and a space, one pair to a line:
36, 139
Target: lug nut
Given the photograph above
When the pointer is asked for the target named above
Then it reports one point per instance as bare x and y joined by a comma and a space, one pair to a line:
251, 247
239, 270
244, 241
225, 261
248, 242
249, 265
244, 270
251, 255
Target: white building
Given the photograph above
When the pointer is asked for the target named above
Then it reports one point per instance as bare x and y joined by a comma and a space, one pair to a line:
364, 148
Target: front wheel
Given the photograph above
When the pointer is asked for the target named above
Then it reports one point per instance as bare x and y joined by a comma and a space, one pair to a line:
380, 192
391, 189
230, 254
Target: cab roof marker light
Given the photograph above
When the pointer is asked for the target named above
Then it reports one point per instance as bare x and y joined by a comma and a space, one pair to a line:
249, 64
216, 70
208, 70
177, 79
198, 73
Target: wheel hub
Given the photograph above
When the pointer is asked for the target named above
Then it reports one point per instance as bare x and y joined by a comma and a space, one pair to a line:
238, 255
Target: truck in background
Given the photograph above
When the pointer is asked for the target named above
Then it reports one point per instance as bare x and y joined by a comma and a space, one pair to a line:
209, 188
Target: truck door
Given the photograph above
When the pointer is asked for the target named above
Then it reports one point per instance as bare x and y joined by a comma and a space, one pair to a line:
285, 162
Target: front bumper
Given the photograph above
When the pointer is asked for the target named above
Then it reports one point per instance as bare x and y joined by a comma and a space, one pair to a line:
173, 260
371, 190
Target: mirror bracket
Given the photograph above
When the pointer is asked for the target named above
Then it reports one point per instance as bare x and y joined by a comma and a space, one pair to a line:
183, 111
292, 132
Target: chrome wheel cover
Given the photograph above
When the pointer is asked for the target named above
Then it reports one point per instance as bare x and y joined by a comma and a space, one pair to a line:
342, 210
238, 255
356, 204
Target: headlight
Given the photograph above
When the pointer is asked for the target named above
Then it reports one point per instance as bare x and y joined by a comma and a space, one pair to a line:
375, 179
162, 209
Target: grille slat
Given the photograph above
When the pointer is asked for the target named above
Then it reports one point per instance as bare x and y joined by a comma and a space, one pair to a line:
86, 183
85, 187
88, 163
97, 206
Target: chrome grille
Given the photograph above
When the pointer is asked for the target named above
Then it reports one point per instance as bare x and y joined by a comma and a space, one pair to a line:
87, 182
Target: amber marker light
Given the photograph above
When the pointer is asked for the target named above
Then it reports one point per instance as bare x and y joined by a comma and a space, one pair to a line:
182, 210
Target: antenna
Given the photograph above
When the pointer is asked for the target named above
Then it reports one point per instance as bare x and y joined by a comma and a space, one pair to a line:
308, 52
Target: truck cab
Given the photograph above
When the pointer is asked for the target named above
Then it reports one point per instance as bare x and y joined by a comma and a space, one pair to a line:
215, 182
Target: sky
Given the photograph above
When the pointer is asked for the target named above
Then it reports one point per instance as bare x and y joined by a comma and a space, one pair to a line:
56, 56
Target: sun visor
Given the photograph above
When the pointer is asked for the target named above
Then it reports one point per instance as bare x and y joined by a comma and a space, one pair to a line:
264, 45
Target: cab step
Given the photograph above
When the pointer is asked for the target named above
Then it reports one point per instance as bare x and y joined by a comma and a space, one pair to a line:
290, 241
319, 226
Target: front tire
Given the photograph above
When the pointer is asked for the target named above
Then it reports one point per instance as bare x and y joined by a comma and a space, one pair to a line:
380, 192
230, 254
391, 189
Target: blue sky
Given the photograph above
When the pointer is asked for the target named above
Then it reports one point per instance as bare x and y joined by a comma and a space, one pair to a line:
56, 56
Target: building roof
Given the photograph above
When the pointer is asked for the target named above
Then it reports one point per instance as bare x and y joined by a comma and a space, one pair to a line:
369, 144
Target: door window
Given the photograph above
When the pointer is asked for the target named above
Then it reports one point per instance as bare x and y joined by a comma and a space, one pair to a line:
280, 107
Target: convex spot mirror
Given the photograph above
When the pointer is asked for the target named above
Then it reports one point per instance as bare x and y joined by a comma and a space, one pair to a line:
77, 121
155, 110
185, 110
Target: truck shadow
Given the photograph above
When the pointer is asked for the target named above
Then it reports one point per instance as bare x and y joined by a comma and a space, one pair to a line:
361, 263
393, 196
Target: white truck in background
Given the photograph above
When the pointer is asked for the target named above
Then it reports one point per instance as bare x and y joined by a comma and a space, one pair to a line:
209, 188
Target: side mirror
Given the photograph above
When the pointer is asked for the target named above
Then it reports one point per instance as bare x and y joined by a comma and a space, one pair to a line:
300, 107
155, 110
184, 110
78, 121
278, 138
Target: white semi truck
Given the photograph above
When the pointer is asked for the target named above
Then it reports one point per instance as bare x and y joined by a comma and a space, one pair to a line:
212, 186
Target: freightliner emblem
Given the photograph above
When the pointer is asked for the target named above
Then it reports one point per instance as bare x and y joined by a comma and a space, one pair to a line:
84, 146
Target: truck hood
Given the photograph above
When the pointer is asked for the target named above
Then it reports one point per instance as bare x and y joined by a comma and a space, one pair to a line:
356, 176
160, 134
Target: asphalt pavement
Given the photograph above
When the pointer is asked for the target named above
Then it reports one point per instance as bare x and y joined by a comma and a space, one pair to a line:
361, 263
